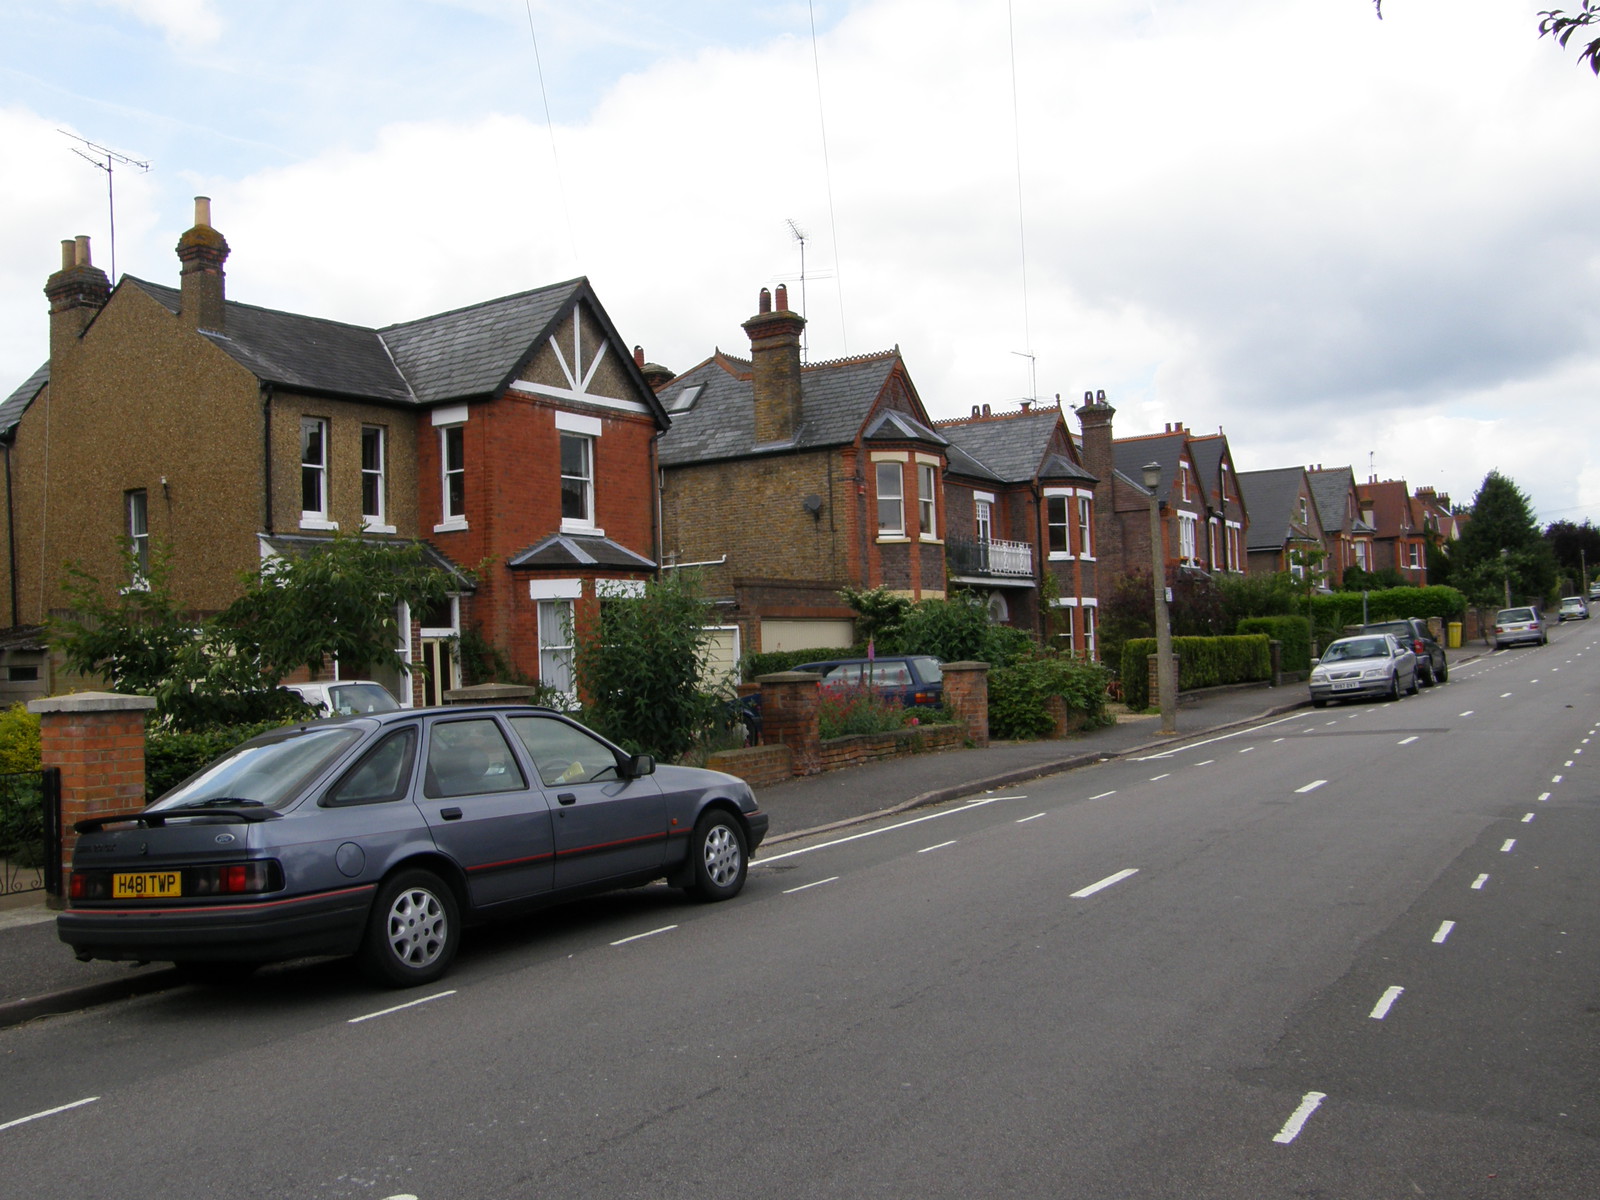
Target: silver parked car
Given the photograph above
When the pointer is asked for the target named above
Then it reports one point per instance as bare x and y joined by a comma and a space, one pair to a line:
1573, 608
379, 835
1363, 666
1513, 626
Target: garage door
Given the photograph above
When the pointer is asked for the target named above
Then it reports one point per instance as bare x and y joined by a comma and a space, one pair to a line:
787, 634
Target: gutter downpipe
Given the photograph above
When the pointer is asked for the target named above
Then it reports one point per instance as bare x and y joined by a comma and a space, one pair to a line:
266, 458
11, 537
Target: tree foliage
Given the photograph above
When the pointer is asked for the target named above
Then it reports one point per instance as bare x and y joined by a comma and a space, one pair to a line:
641, 666
1501, 545
1560, 25
1576, 549
335, 601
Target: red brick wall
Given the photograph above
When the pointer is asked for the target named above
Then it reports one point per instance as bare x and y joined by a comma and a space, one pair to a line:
97, 741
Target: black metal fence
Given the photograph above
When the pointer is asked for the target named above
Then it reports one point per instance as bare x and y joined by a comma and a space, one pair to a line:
30, 832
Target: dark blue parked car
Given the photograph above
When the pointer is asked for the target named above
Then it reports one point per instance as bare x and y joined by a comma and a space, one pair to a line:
379, 835
915, 680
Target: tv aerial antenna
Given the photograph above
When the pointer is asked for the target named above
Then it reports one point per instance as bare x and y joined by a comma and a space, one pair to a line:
107, 160
799, 235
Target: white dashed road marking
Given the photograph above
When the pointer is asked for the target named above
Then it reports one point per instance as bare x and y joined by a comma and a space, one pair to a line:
50, 1112
1380, 1010
384, 1012
1292, 1127
1104, 883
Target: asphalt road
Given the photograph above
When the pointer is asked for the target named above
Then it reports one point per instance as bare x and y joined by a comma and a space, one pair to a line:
1351, 953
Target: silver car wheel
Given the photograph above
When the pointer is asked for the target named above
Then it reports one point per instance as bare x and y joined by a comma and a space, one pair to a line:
418, 927
722, 855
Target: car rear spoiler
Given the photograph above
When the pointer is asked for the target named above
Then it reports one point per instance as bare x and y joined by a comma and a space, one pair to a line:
154, 820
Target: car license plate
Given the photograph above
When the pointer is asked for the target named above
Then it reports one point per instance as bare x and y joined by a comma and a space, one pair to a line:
146, 885
1347, 685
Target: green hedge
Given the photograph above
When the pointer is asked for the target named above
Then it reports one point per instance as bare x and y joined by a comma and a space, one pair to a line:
1344, 608
1017, 695
1202, 662
1293, 632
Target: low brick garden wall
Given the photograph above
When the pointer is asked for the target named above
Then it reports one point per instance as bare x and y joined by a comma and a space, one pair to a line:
763, 766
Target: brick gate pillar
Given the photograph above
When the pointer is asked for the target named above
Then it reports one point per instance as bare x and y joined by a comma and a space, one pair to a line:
966, 693
97, 740
789, 715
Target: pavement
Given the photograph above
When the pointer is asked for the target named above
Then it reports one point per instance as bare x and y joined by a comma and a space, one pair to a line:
39, 975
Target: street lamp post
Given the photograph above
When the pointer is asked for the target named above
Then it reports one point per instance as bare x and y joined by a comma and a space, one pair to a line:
1166, 681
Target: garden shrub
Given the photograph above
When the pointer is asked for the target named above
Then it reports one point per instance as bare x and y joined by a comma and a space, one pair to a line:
1018, 694
1293, 632
1202, 662
845, 711
19, 740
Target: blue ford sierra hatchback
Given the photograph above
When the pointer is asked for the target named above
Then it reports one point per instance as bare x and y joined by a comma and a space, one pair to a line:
379, 836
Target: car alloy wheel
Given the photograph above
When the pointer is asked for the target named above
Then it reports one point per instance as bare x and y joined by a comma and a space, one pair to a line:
413, 931
718, 852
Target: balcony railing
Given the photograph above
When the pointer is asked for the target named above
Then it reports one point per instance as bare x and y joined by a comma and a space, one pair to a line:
989, 556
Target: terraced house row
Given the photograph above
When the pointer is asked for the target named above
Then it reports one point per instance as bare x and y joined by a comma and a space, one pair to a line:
547, 466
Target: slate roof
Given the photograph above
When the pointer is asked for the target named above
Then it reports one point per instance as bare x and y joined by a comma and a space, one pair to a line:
1270, 498
567, 551
1131, 454
1329, 489
467, 353
17, 403
835, 398
1015, 448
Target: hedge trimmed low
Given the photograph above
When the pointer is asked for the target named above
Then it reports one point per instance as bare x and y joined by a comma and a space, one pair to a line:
1202, 662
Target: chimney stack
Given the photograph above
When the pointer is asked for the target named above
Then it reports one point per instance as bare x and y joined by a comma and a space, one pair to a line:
775, 367
202, 251
1100, 458
76, 292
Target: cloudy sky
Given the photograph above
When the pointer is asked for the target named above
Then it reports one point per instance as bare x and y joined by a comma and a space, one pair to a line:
1342, 240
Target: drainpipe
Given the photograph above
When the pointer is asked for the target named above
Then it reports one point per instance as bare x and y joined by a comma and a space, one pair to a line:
11, 536
266, 457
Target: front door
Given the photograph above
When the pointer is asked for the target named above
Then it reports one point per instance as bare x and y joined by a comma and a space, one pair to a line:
439, 669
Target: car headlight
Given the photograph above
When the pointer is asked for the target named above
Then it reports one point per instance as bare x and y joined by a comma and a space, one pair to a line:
1374, 672
1319, 676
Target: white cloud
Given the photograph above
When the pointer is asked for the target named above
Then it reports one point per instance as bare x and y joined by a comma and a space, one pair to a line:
187, 24
1326, 234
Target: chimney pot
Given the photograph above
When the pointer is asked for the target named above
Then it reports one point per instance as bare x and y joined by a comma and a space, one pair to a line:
986, 410
1088, 397
974, 410
81, 251
1100, 396
202, 211
765, 306
69, 254
638, 356
783, 297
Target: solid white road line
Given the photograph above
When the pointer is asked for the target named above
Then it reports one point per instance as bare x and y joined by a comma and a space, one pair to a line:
1310, 787
1104, 883
1292, 1127
649, 933
1380, 1010
1443, 932
50, 1112
856, 837
1219, 738
384, 1012
814, 883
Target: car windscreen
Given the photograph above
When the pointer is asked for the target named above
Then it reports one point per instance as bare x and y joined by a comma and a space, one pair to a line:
1364, 648
268, 774
347, 699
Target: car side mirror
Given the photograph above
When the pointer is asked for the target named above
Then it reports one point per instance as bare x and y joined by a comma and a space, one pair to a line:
639, 765
1315, 661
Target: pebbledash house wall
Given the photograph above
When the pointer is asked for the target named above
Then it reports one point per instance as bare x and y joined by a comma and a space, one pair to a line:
183, 422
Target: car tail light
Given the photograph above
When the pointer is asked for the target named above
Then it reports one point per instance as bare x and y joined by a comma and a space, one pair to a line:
89, 885
235, 879
1416, 647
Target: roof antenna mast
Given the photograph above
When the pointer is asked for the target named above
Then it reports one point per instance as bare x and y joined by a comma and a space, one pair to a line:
112, 158
799, 235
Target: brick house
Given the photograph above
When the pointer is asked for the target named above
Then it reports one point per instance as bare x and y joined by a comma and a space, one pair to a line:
1019, 521
1285, 519
514, 438
1399, 534
1205, 517
1345, 533
785, 481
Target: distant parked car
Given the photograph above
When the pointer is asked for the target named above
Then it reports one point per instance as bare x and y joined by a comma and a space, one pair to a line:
1432, 667
1573, 608
1370, 664
381, 835
1514, 626
915, 680
345, 697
